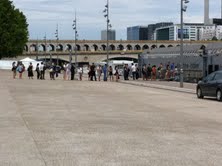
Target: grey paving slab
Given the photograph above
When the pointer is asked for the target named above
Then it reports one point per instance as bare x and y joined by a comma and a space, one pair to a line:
64, 123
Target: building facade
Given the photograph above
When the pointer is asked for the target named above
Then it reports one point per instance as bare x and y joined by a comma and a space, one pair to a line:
209, 32
153, 27
137, 33
191, 32
111, 35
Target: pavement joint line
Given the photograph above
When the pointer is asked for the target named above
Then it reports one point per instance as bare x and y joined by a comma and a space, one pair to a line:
174, 89
30, 131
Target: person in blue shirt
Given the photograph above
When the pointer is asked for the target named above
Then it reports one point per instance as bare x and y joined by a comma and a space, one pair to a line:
105, 72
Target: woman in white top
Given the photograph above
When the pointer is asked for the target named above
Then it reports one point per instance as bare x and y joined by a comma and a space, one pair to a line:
64, 72
68, 71
80, 71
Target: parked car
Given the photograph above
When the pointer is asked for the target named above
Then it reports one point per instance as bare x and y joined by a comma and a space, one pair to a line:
211, 86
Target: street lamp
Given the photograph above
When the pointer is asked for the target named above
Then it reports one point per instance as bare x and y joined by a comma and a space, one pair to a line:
108, 26
183, 9
57, 43
45, 39
76, 35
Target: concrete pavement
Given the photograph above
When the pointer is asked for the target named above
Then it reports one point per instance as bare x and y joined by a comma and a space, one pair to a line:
64, 123
165, 85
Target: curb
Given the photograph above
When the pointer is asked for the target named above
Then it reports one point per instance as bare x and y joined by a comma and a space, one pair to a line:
175, 89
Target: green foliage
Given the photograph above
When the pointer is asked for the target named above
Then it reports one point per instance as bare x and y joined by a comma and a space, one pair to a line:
13, 30
214, 38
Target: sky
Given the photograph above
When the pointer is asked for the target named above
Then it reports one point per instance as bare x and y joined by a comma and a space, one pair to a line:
44, 15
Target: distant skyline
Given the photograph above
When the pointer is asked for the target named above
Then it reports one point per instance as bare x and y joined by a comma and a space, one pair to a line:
44, 15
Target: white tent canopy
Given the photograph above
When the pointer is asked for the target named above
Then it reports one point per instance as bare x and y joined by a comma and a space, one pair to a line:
28, 60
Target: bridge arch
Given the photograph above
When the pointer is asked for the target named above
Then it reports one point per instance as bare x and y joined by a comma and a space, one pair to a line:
78, 47
153, 46
103, 47
120, 47
26, 48
95, 47
68, 47
162, 46
137, 47
59, 47
169, 46
129, 47
42, 47
51, 47
33, 48
86, 47
145, 47
112, 47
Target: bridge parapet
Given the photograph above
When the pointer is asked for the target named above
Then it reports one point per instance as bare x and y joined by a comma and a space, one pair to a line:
64, 46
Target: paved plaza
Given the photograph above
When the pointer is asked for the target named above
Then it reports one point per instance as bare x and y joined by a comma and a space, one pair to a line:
64, 123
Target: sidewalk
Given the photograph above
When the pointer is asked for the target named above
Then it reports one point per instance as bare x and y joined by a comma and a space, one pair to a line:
165, 85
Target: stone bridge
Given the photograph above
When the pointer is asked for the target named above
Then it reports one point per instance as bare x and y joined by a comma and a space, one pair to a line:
90, 51
64, 46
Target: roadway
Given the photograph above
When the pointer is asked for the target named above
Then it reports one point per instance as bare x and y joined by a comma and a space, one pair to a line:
63, 123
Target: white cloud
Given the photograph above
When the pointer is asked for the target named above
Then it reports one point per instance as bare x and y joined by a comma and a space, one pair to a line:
43, 15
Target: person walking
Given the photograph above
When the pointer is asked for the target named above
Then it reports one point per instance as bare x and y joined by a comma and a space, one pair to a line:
99, 72
37, 71
14, 66
30, 71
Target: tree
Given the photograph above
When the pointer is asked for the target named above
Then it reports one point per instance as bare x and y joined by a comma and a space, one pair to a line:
214, 38
13, 30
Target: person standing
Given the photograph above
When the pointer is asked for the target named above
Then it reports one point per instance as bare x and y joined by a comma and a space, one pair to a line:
14, 66
20, 69
154, 73
68, 71
99, 72
80, 72
144, 72
105, 72
52, 71
149, 72
37, 71
93, 72
30, 71
42, 72
110, 73
64, 71
133, 68
116, 74
72, 71
125, 73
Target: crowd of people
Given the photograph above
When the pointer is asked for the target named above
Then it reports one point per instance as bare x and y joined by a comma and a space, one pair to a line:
95, 73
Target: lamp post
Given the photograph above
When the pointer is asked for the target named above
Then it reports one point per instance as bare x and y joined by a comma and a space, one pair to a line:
108, 26
37, 49
183, 9
57, 43
45, 39
76, 35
